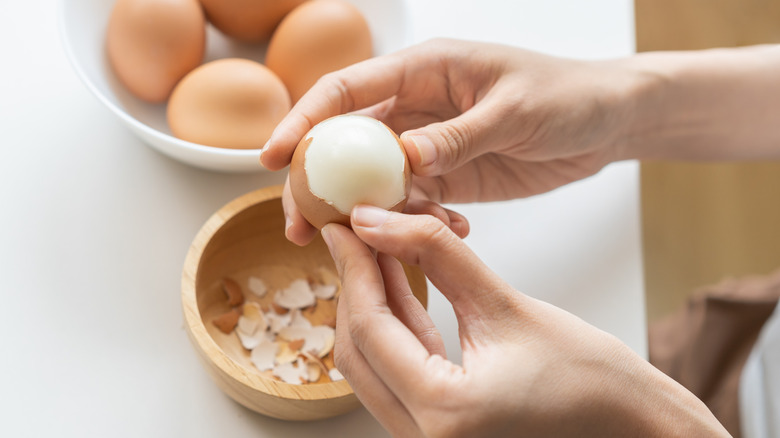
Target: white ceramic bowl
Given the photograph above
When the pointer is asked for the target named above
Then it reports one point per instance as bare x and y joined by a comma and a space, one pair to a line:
83, 26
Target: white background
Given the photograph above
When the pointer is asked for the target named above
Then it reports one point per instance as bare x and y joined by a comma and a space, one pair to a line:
94, 227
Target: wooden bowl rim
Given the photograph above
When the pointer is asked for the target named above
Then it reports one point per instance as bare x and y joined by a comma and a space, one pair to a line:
206, 343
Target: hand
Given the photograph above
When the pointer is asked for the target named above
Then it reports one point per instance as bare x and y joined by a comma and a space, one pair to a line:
529, 369
479, 122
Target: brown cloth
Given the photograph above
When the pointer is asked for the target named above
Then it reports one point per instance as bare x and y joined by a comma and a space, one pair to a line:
705, 345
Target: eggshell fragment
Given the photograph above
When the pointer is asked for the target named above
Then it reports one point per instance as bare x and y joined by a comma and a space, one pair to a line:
344, 161
152, 44
257, 286
298, 320
277, 322
324, 291
233, 292
252, 319
295, 374
251, 340
318, 340
295, 296
263, 355
316, 38
286, 354
248, 20
335, 375
227, 321
313, 371
229, 103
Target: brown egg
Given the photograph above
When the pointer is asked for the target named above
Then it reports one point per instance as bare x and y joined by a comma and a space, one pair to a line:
317, 37
248, 20
348, 160
228, 103
152, 44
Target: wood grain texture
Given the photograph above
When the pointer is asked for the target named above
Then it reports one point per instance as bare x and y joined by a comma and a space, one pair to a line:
246, 238
704, 222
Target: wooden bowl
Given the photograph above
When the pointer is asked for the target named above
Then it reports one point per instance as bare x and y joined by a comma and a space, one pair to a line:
246, 238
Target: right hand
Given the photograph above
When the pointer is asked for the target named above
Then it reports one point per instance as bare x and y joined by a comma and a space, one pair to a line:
479, 122
529, 369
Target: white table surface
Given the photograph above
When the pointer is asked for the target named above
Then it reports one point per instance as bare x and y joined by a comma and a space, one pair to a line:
94, 227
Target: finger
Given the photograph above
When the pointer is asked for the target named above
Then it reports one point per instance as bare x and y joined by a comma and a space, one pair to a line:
406, 307
389, 347
454, 220
357, 86
444, 146
368, 387
296, 228
473, 289
379, 111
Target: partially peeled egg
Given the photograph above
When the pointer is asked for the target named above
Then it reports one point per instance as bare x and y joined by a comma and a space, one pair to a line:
345, 161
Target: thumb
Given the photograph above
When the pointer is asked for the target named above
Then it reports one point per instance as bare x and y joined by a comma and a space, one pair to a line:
441, 147
475, 291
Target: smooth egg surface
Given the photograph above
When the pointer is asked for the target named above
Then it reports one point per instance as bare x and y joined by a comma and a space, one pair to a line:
348, 160
248, 20
152, 44
229, 103
316, 38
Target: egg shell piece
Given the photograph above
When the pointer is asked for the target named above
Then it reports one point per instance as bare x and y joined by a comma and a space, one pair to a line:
251, 340
257, 286
263, 355
277, 322
295, 296
291, 373
348, 160
324, 291
152, 44
335, 375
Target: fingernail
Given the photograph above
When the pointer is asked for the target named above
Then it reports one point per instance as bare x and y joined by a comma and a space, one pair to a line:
368, 216
327, 236
459, 227
287, 224
425, 148
262, 150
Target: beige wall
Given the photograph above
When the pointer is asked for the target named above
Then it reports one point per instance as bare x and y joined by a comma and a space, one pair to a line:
703, 222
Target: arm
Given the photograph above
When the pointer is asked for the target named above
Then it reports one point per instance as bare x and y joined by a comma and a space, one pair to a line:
721, 104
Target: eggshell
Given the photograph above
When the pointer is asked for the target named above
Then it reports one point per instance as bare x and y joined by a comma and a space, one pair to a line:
152, 44
248, 20
316, 38
318, 211
228, 103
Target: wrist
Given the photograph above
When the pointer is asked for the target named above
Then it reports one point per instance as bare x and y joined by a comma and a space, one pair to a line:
647, 96
658, 406
705, 105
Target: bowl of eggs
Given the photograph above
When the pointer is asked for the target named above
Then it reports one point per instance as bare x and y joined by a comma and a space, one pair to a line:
261, 311
206, 81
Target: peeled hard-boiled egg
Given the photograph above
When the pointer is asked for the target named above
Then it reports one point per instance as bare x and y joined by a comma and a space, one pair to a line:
151, 44
317, 37
345, 161
229, 103
248, 20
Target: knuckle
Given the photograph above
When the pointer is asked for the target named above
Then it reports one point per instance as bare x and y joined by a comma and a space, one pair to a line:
457, 136
360, 327
429, 234
338, 91
344, 358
